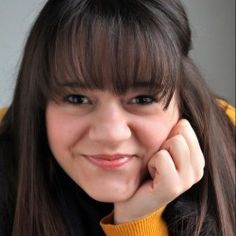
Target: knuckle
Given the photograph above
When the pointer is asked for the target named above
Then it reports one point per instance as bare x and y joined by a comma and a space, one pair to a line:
163, 153
183, 123
203, 160
176, 190
199, 170
182, 126
178, 139
188, 183
175, 141
199, 174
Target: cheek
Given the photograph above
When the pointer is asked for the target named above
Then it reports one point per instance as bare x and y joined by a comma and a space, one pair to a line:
62, 133
58, 135
153, 132
153, 137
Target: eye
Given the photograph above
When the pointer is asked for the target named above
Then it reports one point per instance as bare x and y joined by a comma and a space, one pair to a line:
143, 100
77, 99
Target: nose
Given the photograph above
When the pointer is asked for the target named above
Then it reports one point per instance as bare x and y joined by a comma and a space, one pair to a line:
110, 126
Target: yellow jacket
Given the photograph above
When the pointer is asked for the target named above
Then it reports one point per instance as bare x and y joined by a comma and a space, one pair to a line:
2, 112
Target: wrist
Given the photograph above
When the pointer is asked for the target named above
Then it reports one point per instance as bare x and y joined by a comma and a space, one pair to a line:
123, 215
151, 224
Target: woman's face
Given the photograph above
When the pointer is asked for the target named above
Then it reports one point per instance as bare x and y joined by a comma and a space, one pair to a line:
104, 141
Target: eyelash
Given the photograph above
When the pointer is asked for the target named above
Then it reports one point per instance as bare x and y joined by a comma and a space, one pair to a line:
145, 100
76, 99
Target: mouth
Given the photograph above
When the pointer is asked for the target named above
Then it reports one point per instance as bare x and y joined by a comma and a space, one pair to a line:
109, 161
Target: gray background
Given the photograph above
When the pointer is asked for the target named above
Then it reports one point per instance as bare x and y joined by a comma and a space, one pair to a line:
213, 27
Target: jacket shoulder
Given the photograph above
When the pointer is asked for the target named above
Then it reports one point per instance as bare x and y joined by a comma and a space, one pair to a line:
229, 110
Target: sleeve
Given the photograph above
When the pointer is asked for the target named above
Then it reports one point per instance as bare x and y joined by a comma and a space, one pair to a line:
229, 110
2, 112
150, 225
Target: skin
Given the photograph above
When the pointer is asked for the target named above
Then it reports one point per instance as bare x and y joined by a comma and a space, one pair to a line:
163, 146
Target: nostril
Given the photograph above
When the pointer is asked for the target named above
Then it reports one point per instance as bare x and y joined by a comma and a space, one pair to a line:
110, 132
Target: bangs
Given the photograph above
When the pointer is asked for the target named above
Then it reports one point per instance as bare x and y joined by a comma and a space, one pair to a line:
113, 50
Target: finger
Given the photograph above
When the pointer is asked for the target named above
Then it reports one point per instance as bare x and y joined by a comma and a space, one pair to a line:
185, 129
180, 153
196, 156
162, 168
167, 183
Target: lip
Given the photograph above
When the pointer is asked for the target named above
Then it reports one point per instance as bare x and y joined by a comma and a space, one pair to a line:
109, 161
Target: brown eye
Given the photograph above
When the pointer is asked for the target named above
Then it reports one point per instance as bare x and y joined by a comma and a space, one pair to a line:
143, 100
77, 99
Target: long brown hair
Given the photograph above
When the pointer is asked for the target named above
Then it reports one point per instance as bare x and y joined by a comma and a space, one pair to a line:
112, 45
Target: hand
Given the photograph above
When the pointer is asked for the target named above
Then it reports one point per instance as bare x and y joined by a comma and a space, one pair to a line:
174, 169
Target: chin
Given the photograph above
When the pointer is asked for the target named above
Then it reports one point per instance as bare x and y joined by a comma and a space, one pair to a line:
111, 197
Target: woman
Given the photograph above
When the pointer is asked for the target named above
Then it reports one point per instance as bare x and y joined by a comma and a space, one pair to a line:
111, 115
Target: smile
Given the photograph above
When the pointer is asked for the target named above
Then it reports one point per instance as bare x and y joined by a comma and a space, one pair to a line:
109, 161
